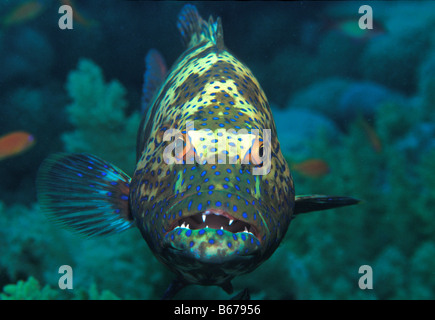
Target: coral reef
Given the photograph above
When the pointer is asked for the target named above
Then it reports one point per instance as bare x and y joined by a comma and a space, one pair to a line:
342, 100
32, 246
31, 290
321, 96
426, 85
296, 139
98, 113
28, 290
318, 81
397, 199
394, 58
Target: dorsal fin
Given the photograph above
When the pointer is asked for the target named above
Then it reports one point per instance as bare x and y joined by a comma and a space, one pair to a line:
194, 28
155, 72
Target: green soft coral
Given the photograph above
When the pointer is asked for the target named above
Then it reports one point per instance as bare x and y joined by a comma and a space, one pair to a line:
28, 290
391, 230
32, 246
98, 114
32, 290
93, 294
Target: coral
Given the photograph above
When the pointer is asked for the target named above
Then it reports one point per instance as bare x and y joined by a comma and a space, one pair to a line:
394, 58
296, 139
328, 82
98, 113
417, 141
94, 294
343, 101
28, 290
31, 290
397, 192
363, 99
125, 266
321, 96
425, 171
30, 244
421, 272
426, 88
33, 246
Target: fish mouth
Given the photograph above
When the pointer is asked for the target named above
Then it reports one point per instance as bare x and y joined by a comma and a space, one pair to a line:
215, 219
215, 234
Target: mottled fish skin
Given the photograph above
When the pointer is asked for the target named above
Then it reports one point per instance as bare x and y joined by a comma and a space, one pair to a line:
210, 87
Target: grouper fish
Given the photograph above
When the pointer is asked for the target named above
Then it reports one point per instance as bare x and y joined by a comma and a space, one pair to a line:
211, 193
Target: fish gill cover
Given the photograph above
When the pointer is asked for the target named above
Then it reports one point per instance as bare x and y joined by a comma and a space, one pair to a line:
354, 115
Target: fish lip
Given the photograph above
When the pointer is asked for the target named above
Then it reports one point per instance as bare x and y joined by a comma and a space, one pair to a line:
239, 256
225, 264
219, 213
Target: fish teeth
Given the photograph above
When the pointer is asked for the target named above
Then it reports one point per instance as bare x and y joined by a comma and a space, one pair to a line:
183, 225
231, 221
203, 217
246, 230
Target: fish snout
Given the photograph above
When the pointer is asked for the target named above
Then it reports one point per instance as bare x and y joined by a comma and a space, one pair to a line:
221, 228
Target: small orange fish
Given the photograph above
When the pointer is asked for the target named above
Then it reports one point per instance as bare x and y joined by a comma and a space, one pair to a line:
371, 134
22, 13
314, 168
77, 16
14, 143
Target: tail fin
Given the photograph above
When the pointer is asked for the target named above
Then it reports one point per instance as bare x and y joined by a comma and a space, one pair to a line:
84, 193
194, 29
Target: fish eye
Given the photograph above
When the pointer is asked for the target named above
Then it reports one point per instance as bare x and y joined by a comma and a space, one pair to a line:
180, 147
257, 151
260, 151
183, 148
180, 143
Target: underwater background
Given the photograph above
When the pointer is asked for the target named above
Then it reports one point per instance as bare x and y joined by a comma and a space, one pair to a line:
354, 109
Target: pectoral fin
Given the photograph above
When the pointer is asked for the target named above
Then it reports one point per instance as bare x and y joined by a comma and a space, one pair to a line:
85, 194
304, 204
